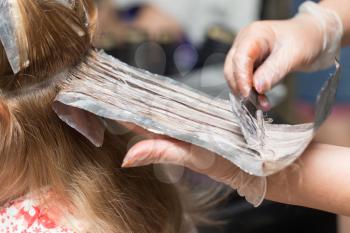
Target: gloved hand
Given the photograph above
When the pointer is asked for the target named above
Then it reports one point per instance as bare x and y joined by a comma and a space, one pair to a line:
168, 151
264, 52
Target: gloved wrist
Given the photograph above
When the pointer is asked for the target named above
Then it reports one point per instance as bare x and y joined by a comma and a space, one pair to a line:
331, 27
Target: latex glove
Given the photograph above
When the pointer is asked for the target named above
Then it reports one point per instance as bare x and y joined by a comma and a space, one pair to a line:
265, 51
167, 151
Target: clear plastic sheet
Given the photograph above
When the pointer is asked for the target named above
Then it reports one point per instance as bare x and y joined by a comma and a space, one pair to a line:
10, 25
110, 89
9, 16
67, 3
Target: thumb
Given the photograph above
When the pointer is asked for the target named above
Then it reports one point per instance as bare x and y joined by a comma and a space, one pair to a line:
169, 151
271, 71
155, 151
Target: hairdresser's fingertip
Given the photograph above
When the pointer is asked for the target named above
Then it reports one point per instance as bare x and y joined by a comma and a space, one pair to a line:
135, 161
134, 157
262, 85
264, 103
126, 164
259, 86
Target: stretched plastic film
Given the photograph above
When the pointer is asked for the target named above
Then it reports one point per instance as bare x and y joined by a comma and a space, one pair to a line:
10, 17
11, 25
110, 89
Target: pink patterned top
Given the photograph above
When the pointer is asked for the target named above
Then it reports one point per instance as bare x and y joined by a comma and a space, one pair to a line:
25, 216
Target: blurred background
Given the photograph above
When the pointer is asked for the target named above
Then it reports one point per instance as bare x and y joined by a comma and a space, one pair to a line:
187, 40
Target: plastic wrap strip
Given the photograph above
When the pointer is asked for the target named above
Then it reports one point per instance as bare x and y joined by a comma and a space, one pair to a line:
111, 89
11, 25
10, 19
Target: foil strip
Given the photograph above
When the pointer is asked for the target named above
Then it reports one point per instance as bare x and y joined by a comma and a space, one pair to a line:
11, 24
9, 15
110, 89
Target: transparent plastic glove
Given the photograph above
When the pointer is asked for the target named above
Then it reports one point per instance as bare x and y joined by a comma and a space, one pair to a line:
168, 151
265, 51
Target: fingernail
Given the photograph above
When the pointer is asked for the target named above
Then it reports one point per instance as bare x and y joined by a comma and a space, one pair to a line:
134, 159
259, 86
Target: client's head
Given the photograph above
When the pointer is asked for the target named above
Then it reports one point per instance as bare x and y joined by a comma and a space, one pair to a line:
39, 152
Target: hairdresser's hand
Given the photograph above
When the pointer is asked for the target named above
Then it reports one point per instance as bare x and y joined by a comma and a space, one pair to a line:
167, 151
265, 51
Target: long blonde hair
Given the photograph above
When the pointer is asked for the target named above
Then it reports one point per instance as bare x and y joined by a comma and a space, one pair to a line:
38, 150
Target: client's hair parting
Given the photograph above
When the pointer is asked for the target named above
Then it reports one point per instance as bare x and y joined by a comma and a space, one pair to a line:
38, 151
